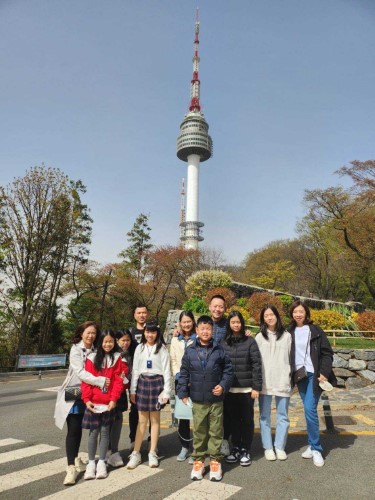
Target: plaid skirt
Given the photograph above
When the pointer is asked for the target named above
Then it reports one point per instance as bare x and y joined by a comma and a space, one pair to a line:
93, 420
148, 390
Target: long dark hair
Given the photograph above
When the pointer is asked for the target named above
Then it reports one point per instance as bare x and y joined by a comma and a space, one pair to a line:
263, 325
190, 315
229, 336
152, 326
307, 320
100, 353
78, 333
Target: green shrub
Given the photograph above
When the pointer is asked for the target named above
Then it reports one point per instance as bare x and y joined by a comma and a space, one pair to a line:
287, 301
328, 320
196, 305
242, 302
199, 283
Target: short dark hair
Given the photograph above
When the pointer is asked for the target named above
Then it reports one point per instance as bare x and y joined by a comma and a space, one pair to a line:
78, 333
307, 320
138, 306
217, 296
206, 320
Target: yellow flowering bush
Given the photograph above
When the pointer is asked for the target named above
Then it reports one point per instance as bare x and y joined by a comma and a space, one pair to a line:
328, 320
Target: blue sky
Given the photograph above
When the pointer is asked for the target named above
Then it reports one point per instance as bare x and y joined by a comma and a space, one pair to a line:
99, 88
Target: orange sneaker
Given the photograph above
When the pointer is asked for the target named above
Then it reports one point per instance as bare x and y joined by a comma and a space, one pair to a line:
198, 470
216, 473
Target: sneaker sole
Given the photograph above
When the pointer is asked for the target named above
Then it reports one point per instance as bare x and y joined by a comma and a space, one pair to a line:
89, 478
245, 465
102, 476
230, 461
181, 459
216, 479
132, 467
318, 465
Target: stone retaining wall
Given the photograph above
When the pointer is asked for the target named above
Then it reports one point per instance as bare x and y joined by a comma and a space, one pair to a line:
354, 368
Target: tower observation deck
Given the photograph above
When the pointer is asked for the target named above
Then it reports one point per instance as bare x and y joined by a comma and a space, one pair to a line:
193, 146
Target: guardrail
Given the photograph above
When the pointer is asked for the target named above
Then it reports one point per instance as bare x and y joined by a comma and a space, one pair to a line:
41, 361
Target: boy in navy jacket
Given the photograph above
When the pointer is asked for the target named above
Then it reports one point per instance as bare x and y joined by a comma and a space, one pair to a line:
206, 374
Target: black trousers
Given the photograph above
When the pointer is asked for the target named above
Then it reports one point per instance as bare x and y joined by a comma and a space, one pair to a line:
133, 421
73, 437
240, 408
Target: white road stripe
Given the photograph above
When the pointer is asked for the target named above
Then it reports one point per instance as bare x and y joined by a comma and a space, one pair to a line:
9, 456
99, 488
26, 476
8, 441
50, 389
205, 490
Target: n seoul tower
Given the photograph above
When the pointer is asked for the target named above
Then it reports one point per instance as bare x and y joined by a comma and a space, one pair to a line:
193, 146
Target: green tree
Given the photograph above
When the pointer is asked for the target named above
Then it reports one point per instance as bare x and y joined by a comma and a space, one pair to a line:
351, 214
44, 228
135, 255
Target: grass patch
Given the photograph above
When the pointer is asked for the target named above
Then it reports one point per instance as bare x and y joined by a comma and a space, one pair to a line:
353, 343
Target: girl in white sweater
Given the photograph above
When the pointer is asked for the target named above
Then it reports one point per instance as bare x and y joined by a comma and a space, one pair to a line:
274, 343
150, 389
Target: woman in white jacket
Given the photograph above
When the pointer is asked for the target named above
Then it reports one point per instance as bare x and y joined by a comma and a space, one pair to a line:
274, 343
186, 337
72, 411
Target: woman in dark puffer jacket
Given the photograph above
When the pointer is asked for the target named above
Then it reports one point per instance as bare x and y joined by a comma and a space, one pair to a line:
247, 382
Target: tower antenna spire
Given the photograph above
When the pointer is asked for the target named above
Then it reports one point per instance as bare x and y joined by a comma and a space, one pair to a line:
195, 82
193, 146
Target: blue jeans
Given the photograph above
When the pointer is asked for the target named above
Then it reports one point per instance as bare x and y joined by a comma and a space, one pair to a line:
310, 404
282, 421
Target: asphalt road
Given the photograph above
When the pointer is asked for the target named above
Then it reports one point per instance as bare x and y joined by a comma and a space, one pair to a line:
27, 416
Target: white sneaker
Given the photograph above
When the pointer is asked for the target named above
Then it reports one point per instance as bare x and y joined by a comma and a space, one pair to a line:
317, 458
307, 453
269, 454
71, 475
115, 460
90, 471
216, 473
131, 449
198, 471
224, 449
153, 460
280, 454
191, 460
182, 456
135, 460
101, 470
79, 464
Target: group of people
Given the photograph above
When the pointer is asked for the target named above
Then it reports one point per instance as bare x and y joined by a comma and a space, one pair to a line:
218, 368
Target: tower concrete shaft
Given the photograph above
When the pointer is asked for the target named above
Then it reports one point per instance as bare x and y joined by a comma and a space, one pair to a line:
193, 146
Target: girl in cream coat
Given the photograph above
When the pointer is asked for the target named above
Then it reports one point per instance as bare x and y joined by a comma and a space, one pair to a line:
275, 345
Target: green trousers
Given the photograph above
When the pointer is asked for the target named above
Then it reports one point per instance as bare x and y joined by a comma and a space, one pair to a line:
208, 430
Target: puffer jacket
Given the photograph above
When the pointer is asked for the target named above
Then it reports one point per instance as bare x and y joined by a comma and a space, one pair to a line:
202, 369
247, 362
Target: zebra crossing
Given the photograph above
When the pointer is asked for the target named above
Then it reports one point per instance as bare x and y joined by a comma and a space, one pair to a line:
118, 479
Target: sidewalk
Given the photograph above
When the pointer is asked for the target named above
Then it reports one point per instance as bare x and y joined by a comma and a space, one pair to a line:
353, 411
